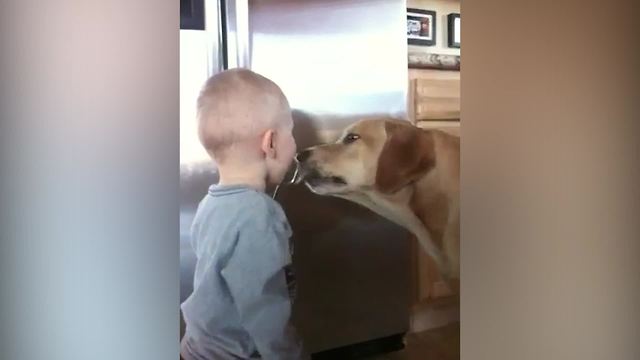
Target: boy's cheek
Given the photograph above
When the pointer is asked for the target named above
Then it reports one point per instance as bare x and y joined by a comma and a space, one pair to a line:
293, 146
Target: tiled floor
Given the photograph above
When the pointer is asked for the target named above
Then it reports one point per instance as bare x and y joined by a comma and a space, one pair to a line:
438, 344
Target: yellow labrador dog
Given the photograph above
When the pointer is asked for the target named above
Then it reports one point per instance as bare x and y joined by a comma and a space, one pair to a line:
404, 173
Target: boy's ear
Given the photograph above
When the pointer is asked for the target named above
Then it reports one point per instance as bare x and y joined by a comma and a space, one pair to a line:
268, 144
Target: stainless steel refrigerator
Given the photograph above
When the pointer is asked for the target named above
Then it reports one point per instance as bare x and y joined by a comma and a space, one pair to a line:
336, 61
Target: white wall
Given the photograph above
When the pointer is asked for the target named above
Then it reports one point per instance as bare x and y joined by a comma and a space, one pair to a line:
442, 9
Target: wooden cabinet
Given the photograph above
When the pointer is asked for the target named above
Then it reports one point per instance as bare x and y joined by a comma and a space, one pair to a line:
434, 99
433, 102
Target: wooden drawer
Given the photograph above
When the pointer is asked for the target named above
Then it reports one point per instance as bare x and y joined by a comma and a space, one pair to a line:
435, 99
451, 127
434, 95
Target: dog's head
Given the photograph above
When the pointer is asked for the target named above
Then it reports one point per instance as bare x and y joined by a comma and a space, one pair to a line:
381, 155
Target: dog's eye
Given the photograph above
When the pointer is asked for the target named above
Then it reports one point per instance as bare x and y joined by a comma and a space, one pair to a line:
350, 138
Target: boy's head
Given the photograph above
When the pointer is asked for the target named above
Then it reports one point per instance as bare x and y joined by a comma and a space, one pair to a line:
244, 120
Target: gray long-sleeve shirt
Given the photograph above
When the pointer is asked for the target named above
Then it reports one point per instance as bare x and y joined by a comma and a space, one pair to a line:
240, 307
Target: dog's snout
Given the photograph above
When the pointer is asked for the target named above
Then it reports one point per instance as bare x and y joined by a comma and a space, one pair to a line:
303, 155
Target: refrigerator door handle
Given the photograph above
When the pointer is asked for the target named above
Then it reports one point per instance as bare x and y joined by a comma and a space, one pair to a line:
237, 33
216, 35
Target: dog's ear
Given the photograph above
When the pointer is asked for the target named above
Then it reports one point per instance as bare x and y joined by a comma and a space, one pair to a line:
406, 156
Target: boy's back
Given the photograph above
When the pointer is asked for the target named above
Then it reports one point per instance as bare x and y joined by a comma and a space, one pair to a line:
240, 307
241, 304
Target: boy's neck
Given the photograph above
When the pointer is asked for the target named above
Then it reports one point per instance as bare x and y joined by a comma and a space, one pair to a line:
252, 176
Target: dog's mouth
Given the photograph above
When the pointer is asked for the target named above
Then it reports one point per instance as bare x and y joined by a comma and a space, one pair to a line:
314, 178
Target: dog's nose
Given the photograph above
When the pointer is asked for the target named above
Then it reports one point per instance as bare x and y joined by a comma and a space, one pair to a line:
303, 155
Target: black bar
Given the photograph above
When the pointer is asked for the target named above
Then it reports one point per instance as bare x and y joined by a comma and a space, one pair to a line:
363, 349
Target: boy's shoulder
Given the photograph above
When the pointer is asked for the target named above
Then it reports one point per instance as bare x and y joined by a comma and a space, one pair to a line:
250, 205
264, 210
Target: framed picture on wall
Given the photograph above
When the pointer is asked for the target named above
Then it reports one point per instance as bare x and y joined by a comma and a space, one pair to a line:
191, 14
421, 27
453, 29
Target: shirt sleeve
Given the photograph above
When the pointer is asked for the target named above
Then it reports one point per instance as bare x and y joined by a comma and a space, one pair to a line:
255, 275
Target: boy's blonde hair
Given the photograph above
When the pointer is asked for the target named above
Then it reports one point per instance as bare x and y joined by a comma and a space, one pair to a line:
236, 106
